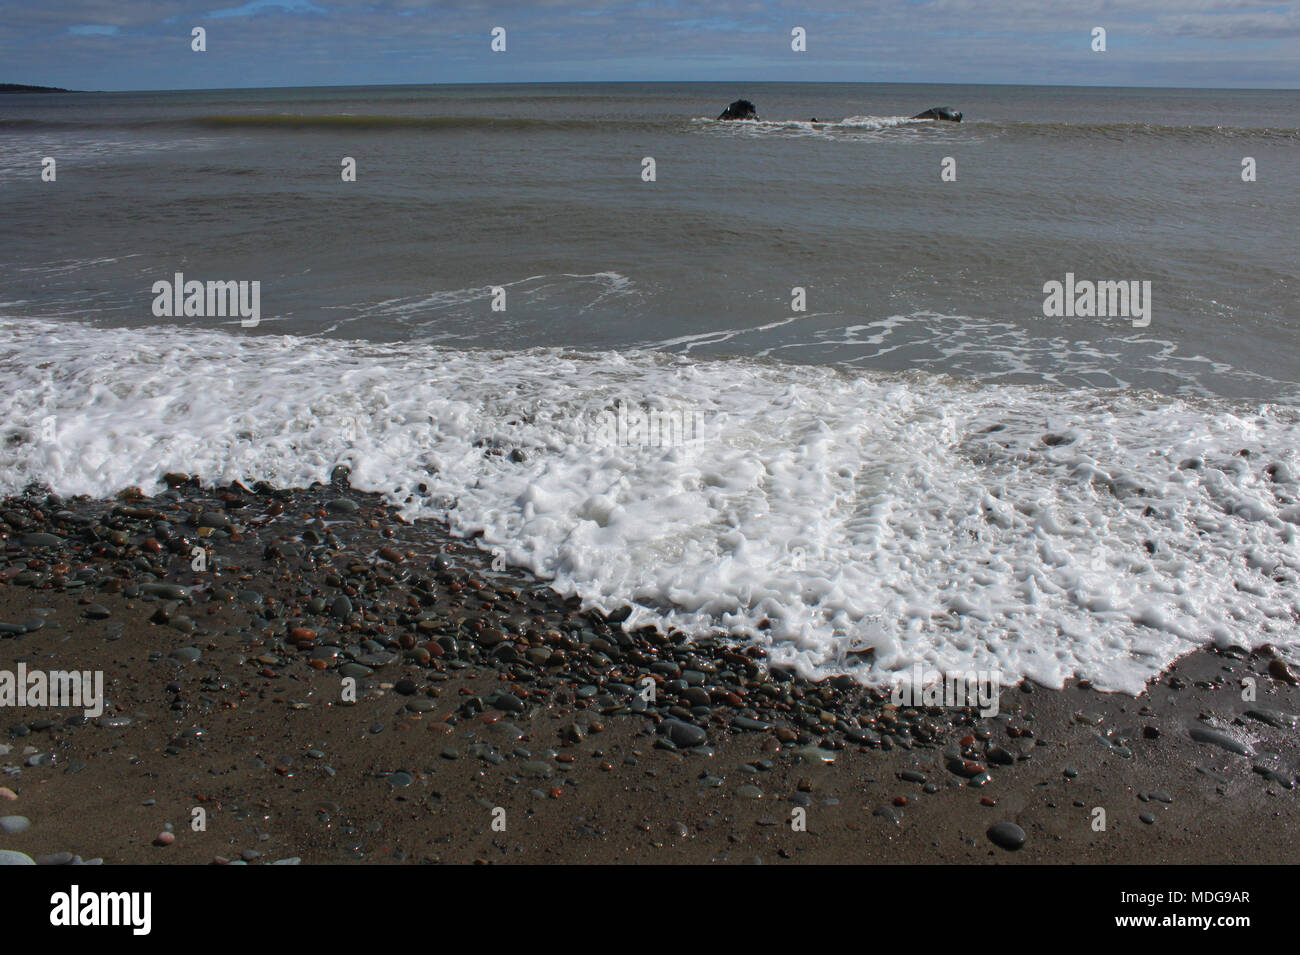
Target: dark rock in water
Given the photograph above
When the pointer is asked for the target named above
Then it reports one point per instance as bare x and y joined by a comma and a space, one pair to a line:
940, 112
1006, 835
740, 109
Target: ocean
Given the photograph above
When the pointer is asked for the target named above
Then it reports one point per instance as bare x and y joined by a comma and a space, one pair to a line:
793, 379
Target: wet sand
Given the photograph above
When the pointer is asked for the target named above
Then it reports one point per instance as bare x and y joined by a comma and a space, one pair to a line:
495, 721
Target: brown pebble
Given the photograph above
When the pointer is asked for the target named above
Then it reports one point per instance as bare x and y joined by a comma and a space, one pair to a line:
1278, 670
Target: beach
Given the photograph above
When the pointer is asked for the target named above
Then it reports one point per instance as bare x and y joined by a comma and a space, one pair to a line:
495, 722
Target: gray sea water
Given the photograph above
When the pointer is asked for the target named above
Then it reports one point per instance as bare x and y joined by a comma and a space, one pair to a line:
538, 189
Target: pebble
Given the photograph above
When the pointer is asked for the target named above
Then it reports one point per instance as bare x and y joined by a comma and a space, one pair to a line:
1202, 734
683, 734
1274, 717
1006, 835
13, 825
10, 857
506, 702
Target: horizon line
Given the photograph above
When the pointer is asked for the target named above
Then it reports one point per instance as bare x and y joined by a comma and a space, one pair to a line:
223, 89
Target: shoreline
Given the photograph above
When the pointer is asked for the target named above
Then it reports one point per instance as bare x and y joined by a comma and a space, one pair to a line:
484, 699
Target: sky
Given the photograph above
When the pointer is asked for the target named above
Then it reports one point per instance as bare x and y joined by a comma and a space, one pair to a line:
146, 44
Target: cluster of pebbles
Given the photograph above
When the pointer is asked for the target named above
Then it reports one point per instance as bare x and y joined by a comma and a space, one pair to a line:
334, 580
326, 579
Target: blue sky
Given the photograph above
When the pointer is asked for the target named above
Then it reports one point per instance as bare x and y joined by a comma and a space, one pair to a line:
145, 44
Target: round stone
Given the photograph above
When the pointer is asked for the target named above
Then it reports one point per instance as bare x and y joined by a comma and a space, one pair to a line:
1006, 835
682, 733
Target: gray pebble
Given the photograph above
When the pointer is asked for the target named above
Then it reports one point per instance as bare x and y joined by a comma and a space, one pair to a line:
1006, 835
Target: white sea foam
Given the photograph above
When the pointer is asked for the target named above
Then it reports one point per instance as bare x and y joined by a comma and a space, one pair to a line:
1006, 528
849, 129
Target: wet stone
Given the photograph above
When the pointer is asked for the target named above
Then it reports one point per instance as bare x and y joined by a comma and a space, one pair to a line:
506, 702
1203, 734
1006, 835
682, 733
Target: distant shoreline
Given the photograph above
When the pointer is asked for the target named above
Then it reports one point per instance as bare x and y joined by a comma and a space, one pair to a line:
20, 88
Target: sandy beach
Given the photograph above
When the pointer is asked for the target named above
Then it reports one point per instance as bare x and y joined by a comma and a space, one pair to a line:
493, 721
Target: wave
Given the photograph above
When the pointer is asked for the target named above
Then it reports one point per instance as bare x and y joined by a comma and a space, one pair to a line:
859, 127
344, 121
1125, 132
849, 521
